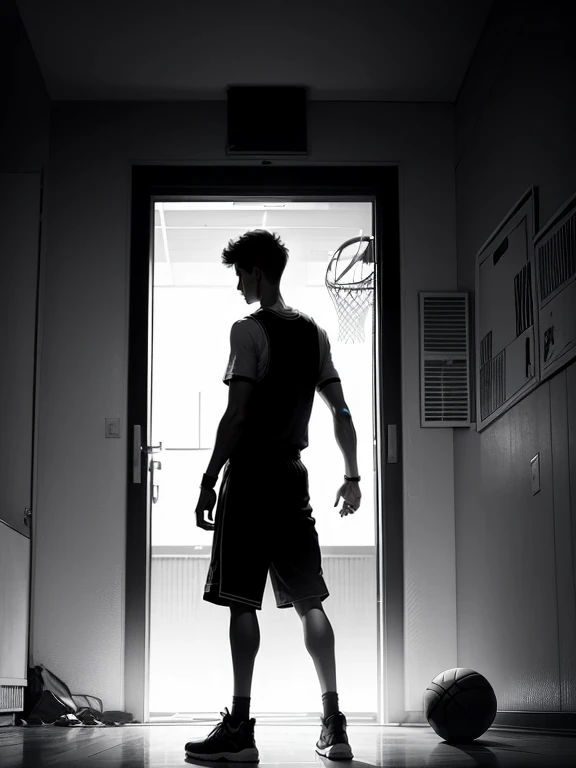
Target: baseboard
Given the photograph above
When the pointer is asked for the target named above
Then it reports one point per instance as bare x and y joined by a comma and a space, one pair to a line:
542, 721
545, 721
414, 717
6, 721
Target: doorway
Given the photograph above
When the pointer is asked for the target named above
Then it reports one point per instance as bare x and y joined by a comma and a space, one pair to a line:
185, 656
193, 292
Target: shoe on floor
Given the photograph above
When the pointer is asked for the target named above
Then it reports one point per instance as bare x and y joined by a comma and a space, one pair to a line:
226, 742
333, 741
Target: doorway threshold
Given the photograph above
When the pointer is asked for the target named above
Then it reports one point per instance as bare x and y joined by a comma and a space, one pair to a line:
263, 718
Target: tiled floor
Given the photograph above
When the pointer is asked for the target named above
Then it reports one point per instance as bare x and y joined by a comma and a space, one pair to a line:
153, 746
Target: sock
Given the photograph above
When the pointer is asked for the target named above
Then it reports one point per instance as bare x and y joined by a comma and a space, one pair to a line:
240, 709
330, 702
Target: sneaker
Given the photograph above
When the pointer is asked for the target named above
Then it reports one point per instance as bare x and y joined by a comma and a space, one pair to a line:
226, 742
333, 741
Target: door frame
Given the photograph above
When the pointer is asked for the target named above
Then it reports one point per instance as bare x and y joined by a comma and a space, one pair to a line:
152, 183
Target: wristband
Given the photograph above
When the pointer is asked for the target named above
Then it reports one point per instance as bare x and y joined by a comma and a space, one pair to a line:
208, 482
352, 479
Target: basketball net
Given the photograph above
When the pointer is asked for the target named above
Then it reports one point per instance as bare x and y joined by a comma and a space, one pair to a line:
352, 300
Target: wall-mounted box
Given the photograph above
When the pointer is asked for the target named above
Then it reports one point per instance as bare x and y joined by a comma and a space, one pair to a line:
507, 361
555, 255
267, 120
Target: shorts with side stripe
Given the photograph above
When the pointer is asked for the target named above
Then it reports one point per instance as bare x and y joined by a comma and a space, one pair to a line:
264, 524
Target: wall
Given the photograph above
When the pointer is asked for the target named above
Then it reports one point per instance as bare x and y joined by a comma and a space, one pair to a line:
25, 126
516, 601
24, 152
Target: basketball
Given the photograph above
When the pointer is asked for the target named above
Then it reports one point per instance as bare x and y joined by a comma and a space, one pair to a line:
460, 705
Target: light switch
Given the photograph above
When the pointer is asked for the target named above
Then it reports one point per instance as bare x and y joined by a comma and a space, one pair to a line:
112, 427
535, 465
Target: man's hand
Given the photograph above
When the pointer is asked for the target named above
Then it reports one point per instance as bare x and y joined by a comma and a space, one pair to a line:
351, 496
206, 502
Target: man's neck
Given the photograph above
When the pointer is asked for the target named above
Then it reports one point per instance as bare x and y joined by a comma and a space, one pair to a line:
278, 304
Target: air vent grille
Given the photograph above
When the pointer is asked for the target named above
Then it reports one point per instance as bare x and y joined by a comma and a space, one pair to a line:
11, 698
444, 360
492, 385
523, 299
557, 258
486, 348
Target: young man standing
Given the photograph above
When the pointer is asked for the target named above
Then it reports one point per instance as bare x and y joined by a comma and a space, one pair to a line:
279, 358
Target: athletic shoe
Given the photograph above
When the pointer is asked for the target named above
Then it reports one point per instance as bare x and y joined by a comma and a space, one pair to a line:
333, 741
226, 742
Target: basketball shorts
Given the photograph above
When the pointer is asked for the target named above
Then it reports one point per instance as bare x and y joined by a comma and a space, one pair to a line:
264, 524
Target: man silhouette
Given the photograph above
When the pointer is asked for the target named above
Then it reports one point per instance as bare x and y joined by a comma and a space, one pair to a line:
279, 358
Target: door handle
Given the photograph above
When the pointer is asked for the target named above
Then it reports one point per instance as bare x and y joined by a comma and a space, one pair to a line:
137, 450
155, 488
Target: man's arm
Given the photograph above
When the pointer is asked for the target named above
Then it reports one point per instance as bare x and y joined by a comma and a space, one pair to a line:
227, 436
344, 431
345, 435
232, 423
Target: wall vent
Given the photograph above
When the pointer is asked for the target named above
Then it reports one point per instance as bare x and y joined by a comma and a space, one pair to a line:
444, 360
11, 698
557, 258
492, 385
523, 299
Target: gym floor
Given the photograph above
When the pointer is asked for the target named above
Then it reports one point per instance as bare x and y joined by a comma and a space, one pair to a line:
160, 746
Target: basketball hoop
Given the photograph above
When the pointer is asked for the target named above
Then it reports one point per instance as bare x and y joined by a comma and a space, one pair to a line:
352, 300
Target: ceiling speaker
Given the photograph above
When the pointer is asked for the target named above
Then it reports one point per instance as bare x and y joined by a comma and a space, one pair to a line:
266, 120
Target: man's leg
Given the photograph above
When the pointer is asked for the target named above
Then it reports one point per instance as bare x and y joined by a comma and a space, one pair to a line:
244, 643
319, 641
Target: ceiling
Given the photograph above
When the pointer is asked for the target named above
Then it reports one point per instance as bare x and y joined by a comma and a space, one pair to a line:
189, 238
358, 50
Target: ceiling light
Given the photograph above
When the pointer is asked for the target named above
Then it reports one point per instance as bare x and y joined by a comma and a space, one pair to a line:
258, 205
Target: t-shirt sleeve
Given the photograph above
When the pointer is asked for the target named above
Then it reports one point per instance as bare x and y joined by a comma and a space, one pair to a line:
243, 360
328, 373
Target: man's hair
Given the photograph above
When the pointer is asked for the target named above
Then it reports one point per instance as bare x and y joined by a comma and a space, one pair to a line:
258, 248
